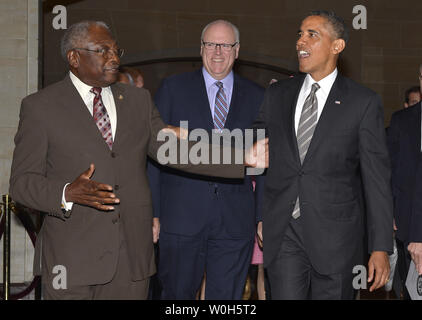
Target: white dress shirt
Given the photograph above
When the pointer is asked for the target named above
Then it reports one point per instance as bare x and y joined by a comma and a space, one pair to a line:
322, 94
88, 98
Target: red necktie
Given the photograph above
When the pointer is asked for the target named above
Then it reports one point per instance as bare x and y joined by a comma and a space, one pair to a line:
101, 117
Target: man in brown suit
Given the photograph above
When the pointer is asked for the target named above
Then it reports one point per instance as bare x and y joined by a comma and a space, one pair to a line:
96, 241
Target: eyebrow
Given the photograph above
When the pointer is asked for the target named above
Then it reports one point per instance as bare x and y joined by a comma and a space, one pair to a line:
309, 30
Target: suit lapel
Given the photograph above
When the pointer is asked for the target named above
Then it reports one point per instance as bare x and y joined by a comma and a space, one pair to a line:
122, 114
328, 115
77, 109
290, 101
235, 111
200, 95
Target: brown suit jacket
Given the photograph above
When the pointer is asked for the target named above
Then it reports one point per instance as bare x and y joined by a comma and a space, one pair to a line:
56, 141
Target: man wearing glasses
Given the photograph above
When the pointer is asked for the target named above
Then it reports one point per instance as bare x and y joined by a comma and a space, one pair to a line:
98, 243
206, 225
404, 141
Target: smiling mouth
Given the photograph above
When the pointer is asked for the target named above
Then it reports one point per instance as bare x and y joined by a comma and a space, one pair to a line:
303, 54
112, 69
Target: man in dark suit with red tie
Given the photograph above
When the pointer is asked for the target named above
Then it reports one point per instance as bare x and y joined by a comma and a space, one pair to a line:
96, 241
329, 174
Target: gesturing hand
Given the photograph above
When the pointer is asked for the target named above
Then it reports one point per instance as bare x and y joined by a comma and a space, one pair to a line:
179, 132
257, 155
91, 193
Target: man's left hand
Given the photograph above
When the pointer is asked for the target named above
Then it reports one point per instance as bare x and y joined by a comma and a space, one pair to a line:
259, 234
257, 156
155, 229
415, 250
380, 265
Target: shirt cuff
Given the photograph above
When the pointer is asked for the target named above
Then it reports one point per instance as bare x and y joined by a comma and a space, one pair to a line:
67, 206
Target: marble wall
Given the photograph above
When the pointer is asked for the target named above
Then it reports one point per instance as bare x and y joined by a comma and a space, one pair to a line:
18, 78
384, 57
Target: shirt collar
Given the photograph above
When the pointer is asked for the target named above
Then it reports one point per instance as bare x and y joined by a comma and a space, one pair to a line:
227, 81
82, 87
325, 84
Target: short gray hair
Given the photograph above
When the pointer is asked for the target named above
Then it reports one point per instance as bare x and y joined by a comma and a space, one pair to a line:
228, 23
77, 32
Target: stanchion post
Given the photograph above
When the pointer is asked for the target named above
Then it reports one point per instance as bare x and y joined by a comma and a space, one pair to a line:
6, 247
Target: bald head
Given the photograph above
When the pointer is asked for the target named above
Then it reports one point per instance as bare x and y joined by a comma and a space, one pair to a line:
223, 23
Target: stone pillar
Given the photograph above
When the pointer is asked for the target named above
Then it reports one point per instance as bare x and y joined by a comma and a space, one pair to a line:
18, 78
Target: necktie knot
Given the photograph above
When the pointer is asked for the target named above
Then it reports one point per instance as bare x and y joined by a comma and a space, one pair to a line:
219, 84
96, 91
315, 88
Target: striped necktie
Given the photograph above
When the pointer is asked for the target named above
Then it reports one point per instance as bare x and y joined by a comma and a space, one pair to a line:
221, 108
101, 117
305, 131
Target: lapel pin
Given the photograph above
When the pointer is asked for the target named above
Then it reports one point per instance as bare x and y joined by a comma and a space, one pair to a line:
338, 102
120, 97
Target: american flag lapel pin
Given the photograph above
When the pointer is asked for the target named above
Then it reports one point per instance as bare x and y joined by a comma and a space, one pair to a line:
337, 102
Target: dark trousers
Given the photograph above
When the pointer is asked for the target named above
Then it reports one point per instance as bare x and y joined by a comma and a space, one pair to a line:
292, 276
184, 259
121, 286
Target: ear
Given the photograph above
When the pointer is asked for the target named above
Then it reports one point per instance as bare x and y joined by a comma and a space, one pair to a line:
237, 50
338, 46
201, 51
73, 58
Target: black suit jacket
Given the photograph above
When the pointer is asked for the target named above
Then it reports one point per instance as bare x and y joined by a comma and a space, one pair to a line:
404, 142
184, 201
343, 183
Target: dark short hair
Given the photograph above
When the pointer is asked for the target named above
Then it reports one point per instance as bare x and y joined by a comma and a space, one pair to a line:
76, 33
416, 89
337, 23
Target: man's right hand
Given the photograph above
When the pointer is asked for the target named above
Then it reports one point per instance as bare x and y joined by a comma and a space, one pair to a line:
91, 193
415, 250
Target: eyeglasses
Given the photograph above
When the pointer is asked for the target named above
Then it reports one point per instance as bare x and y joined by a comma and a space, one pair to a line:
104, 51
211, 46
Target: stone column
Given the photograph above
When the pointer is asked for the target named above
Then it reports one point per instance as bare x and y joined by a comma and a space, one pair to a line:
18, 78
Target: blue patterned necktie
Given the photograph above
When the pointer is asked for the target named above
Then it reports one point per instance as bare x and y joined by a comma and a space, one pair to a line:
221, 108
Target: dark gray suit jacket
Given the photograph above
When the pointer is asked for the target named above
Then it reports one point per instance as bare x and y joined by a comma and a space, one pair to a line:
343, 184
56, 141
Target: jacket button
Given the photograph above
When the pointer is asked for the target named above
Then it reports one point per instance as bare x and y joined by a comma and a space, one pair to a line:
113, 155
116, 187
